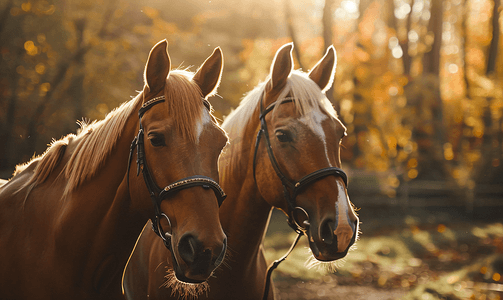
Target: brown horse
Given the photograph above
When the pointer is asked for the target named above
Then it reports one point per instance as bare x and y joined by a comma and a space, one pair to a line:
70, 218
284, 153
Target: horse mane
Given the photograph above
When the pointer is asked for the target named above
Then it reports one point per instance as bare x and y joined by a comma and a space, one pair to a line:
96, 141
184, 102
305, 93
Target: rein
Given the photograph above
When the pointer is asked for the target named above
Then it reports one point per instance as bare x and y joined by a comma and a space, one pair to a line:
157, 194
290, 188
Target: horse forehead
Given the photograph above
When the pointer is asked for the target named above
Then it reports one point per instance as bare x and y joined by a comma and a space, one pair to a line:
313, 120
204, 122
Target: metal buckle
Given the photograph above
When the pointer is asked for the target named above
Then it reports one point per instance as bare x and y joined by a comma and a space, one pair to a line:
301, 222
165, 236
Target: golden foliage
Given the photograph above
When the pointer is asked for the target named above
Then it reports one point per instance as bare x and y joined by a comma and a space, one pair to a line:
398, 122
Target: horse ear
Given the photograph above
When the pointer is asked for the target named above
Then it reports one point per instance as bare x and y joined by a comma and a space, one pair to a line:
157, 67
209, 74
324, 71
282, 66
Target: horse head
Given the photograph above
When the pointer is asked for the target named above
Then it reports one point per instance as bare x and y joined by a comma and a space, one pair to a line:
177, 148
297, 157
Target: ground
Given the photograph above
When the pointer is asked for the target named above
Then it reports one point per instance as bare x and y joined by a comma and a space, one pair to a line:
403, 253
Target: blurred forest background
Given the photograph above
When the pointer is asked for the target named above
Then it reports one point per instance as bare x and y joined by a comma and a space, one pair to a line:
418, 84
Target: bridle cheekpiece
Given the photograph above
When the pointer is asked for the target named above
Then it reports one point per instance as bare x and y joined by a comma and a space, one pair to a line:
290, 188
156, 193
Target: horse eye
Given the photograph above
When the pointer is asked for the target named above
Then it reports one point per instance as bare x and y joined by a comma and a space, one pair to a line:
207, 104
157, 140
283, 136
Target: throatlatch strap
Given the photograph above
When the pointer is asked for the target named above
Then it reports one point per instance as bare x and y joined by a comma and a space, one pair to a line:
294, 187
275, 264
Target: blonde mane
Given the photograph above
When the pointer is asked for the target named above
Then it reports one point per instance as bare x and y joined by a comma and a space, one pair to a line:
96, 141
305, 93
184, 102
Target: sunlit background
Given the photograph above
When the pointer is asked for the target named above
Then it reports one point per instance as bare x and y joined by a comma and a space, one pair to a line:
418, 85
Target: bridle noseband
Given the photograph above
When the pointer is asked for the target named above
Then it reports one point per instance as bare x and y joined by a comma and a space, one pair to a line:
291, 188
156, 193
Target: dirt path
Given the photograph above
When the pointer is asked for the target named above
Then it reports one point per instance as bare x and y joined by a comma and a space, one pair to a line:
297, 290
420, 255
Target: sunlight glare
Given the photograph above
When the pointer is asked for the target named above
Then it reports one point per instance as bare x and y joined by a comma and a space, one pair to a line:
453, 68
397, 52
393, 42
413, 36
418, 6
349, 6
402, 11
347, 10
426, 15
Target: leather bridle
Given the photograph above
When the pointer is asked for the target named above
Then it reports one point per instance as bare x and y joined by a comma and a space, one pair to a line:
156, 193
291, 188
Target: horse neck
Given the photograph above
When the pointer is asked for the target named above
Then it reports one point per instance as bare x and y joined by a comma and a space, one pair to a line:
244, 213
112, 220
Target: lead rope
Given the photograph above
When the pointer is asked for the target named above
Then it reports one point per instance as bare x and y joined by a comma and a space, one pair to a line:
275, 264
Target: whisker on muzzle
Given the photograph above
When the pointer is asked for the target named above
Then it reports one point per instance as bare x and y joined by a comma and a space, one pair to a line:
184, 290
187, 291
328, 266
323, 266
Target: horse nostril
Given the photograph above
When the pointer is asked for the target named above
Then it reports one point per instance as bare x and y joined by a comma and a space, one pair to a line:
327, 231
187, 248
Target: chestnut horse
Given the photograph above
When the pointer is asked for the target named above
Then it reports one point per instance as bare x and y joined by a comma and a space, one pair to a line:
70, 218
284, 153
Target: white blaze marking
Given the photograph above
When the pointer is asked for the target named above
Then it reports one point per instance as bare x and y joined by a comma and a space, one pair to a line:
343, 231
342, 205
313, 120
205, 119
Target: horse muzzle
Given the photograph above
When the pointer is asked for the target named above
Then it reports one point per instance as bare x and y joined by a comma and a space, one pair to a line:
329, 242
193, 262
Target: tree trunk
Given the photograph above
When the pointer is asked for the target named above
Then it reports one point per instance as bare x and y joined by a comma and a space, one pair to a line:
431, 60
77, 82
291, 32
360, 120
404, 43
327, 42
7, 131
464, 47
36, 118
486, 170
328, 11
493, 48
4, 16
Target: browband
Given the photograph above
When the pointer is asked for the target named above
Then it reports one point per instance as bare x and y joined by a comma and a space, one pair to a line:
157, 194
